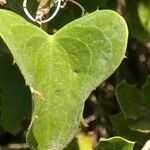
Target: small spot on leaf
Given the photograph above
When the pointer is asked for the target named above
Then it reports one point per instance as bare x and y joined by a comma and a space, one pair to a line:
36, 93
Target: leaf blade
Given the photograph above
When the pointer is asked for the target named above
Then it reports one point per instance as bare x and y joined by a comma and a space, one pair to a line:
48, 67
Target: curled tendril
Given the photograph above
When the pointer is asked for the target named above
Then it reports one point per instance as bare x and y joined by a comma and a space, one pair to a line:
58, 6
41, 21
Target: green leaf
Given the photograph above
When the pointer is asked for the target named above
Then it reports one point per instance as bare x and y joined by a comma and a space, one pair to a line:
63, 69
146, 91
144, 14
135, 106
15, 97
131, 101
122, 128
138, 14
115, 143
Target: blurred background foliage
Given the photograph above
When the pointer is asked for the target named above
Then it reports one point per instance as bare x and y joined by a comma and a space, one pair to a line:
118, 107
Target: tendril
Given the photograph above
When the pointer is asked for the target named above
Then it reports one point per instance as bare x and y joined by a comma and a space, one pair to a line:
59, 5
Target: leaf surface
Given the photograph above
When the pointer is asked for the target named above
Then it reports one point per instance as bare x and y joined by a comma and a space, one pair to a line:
122, 128
135, 105
63, 69
115, 143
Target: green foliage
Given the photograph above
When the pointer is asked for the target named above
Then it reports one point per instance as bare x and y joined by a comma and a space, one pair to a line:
135, 106
137, 14
144, 14
15, 97
63, 69
134, 118
45, 79
115, 143
139, 17
122, 128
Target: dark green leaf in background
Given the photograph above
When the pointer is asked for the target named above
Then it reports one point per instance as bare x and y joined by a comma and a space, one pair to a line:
115, 143
15, 97
121, 126
135, 106
137, 15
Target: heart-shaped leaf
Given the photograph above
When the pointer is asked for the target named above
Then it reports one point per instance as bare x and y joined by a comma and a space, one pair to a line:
63, 69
